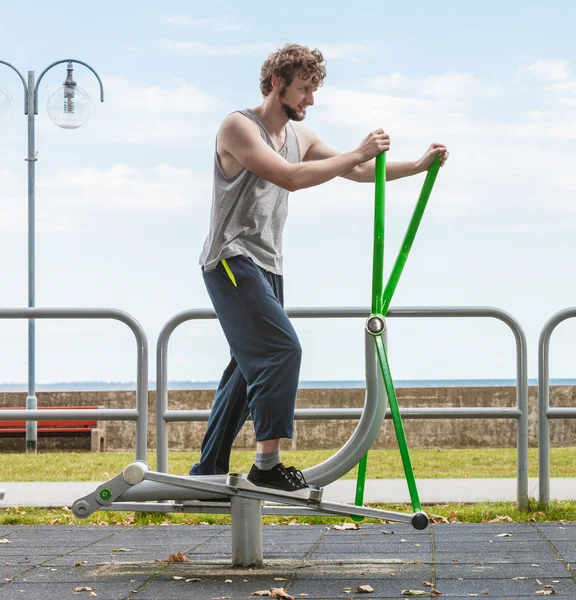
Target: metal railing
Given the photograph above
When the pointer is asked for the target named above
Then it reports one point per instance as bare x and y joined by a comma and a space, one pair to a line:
138, 414
518, 412
545, 412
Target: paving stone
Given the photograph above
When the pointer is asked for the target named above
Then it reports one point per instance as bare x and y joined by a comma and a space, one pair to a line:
335, 588
210, 587
500, 570
313, 560
66, 574
536, 556
64, 591
503, 588
28, 559
487, 546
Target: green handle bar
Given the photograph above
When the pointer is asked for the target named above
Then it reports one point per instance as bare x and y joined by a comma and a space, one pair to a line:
410, 235
381, 302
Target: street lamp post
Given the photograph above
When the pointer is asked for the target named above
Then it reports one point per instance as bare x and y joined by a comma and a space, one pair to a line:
69, 108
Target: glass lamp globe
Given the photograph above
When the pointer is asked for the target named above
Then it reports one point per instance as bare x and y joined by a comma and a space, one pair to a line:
6, 107
69, 107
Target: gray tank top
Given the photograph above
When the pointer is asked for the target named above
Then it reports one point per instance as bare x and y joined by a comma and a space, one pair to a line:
248, 213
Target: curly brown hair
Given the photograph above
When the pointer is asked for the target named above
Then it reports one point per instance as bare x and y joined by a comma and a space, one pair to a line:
290, 61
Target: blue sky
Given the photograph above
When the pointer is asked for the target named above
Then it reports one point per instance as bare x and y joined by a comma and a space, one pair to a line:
123, 202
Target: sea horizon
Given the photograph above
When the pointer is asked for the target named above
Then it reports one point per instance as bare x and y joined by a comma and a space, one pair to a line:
89, 386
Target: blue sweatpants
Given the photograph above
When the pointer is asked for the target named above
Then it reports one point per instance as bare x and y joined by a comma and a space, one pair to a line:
262, 377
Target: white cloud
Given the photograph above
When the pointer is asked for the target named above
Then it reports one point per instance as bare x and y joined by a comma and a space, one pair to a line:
177, 98
133, 48
450, 85
344, 51
447, 85
545, 71
216, 24
123, 188
178, 114
564, 86
407, 115
203, 49
329, 51
14, 209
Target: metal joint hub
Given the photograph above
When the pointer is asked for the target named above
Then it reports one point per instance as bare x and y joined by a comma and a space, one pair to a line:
375, 324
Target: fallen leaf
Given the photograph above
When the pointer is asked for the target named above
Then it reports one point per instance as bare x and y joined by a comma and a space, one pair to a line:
539, 582
121, 550
435, 592
387, 532
261, 593
177, 577
280, 579
363, 589
438, 519
427, 584
93, 594
505, 535
5, 541
194, 579
519, 578
505, 519
535, 565
180, 557
83, 589
280, 593
413, 592
546, 592
346, 526
228, 581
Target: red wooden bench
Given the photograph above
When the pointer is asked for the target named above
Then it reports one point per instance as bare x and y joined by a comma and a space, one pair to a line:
59, 427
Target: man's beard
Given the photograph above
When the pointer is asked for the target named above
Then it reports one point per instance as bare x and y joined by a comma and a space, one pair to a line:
290, 112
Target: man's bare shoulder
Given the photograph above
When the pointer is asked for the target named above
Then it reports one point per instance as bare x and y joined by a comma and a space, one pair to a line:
236, 121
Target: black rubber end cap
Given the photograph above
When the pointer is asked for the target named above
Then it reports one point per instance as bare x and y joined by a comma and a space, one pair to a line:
420, 521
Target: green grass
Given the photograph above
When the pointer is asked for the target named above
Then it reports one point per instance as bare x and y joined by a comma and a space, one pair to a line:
439, 513
446, 463
386, 464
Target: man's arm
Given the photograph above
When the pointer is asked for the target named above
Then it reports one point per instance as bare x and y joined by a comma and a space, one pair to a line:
241, 138
364, 172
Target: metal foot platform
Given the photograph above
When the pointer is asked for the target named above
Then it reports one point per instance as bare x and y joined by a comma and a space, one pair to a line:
239, 483
139, 489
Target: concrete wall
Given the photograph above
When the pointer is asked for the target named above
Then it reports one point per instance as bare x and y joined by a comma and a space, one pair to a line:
421, 433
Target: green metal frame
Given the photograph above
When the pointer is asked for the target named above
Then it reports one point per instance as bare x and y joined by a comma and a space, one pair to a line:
380, 304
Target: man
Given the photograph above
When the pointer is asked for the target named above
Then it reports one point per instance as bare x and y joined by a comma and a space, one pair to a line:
261, 155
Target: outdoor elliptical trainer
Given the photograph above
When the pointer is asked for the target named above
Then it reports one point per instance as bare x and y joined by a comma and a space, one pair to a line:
139, 489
